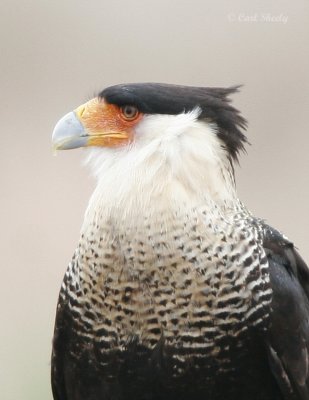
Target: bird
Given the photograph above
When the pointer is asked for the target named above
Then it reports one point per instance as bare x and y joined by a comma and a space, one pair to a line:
175, 289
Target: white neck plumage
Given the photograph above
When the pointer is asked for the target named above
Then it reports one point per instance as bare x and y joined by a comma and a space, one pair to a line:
174, 161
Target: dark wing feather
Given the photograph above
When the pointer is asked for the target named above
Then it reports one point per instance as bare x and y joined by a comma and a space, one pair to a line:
58, 353
288, 345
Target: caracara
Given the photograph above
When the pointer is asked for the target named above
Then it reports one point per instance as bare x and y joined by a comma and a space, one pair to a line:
175, 290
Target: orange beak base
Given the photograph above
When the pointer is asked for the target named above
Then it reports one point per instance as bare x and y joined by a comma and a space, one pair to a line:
95, 123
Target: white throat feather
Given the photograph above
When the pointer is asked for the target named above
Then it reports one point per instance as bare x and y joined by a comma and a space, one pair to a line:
173, 160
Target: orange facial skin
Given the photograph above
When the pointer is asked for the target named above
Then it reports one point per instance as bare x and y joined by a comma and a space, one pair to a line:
106, 124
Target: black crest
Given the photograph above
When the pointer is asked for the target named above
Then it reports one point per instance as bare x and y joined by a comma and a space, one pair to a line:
160, 98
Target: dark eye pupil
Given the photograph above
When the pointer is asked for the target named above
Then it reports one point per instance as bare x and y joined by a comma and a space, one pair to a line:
129, 111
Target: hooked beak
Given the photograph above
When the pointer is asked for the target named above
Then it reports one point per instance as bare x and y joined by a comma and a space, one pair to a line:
69, 133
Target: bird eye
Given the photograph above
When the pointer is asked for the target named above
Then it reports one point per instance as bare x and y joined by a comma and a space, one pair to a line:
129, 112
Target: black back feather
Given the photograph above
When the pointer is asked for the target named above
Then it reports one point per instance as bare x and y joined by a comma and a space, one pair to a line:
288, 338
160, 98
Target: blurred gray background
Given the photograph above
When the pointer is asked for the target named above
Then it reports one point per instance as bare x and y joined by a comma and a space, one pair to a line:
57, 54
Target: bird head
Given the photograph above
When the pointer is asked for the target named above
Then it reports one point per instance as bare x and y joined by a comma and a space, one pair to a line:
111, 119
148, 130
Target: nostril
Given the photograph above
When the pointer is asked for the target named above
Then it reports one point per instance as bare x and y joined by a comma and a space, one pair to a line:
81, 112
